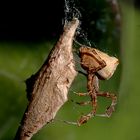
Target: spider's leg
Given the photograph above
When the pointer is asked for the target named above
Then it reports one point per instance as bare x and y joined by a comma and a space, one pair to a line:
111, 108
67, 122
84, 118
83, 73
81, 94
82, 103
92, 86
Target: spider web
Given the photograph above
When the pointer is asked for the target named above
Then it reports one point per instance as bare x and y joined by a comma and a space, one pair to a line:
71, 10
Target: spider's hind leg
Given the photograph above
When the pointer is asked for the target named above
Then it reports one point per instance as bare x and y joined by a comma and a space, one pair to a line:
111, 108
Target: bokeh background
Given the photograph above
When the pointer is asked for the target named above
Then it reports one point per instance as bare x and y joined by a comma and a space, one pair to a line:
28, 31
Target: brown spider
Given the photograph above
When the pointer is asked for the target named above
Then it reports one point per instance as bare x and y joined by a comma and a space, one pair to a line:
98, 65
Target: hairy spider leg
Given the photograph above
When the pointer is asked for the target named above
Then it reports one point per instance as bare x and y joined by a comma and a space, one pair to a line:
81, 94
111, 108
92, 86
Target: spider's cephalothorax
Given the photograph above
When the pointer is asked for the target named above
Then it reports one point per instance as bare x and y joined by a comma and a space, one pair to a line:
98, 62
98, 65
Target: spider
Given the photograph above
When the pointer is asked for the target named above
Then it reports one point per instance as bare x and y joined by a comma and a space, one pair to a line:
98, 65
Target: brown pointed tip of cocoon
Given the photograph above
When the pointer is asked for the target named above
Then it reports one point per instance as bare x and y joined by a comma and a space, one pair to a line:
111, 65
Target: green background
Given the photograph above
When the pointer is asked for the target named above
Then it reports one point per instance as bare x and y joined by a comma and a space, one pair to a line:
19, 60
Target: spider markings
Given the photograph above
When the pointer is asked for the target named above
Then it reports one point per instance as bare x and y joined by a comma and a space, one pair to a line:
98, 65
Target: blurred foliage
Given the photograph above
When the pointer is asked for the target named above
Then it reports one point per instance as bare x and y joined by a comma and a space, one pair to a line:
19, 60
